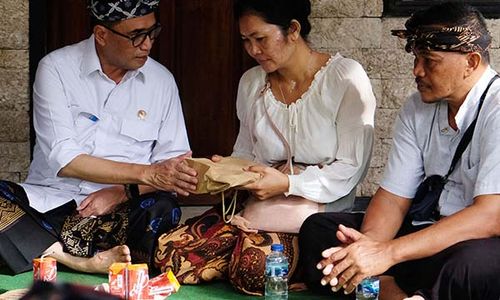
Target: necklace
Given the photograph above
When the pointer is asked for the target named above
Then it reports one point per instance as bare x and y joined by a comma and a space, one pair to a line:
292, 86
282, 94
290, 89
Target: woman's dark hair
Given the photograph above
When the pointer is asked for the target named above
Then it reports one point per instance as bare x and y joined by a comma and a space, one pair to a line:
453, 14
277, 12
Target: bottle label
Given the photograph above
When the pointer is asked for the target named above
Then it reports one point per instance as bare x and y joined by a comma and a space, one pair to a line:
368, 289
278, 270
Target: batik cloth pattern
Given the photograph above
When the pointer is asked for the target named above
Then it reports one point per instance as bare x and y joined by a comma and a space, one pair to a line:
84, 237
24, 232
9, 211
198, 251
248, 260
461, 38
137, 223
207, 249
111, 11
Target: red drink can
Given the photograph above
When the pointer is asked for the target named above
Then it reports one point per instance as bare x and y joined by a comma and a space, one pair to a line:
45, 269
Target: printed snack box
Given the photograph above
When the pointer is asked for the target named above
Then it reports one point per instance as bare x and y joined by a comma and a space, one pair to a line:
138, 279
45, 269
117, 278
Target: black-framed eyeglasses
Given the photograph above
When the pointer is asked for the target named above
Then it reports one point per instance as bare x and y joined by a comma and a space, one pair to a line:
140, 37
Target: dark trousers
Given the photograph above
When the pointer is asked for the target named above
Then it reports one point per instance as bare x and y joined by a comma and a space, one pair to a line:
149, 217
26, 233
466, 270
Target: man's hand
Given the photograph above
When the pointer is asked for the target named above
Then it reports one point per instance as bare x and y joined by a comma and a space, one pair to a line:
102, 202
172, 175
272, 182
359, 257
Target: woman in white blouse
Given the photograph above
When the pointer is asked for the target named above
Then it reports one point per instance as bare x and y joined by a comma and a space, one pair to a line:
307, 118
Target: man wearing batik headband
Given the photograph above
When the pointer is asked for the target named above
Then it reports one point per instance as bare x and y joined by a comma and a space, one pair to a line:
456, 254
469, 36
109, 153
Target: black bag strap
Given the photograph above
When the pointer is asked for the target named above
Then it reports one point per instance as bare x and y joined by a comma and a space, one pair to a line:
466, 138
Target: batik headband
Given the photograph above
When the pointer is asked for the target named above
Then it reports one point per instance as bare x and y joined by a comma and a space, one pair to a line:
442, 38
117, 10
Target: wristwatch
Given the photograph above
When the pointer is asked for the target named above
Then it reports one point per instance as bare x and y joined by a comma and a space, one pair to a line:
131, 191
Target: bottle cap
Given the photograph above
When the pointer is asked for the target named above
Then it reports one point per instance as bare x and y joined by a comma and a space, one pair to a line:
277, 247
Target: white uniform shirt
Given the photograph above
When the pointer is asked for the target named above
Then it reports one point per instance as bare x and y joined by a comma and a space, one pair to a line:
424, 145
79, 110
331, 124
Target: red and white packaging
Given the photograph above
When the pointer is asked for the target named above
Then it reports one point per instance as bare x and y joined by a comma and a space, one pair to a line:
131, 281
138, 279
45, 269
163, 286
117, 279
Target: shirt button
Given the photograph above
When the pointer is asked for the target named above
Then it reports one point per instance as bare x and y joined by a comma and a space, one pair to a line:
444, 130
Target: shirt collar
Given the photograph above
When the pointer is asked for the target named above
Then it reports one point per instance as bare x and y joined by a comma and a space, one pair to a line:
90, 62
466, 112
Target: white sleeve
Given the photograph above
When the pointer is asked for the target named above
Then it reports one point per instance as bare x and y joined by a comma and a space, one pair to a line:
52, 118
354, 121
487, 182
243, 147
405, 167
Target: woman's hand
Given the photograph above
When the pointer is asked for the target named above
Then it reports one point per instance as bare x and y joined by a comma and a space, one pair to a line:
272, 182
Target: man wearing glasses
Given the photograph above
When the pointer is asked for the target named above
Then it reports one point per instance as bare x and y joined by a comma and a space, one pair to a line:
110, 146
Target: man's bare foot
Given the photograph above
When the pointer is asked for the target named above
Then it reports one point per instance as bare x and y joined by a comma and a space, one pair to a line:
99, 263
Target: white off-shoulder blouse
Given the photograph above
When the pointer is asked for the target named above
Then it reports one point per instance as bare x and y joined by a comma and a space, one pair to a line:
329, 128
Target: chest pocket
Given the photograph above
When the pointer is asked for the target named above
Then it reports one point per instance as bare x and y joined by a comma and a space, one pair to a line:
140, 130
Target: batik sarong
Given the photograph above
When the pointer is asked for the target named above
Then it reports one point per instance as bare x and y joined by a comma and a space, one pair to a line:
206, 249
24, 232
137, 223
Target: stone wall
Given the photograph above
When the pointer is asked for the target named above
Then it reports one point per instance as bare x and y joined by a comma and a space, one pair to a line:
14, 89
356, 29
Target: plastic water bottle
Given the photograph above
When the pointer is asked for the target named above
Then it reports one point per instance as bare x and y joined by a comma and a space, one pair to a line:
276, 274
368, 289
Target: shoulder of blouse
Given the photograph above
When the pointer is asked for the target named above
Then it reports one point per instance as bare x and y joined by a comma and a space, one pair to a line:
253, 77
252, 83
346, 68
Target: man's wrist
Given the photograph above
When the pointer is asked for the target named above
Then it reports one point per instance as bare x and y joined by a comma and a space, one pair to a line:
131, 191
146, 173
394, 249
